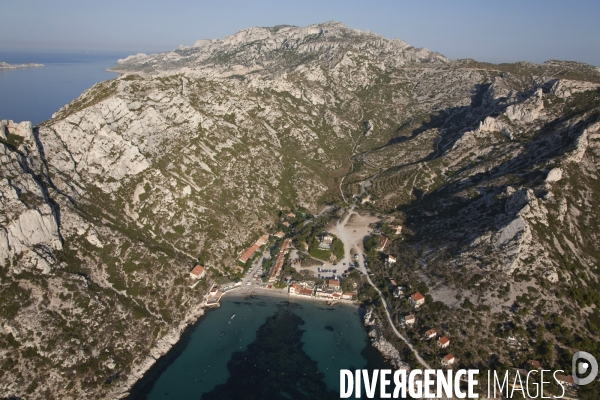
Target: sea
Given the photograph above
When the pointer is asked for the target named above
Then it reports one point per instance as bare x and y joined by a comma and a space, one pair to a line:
263, 347
34, 94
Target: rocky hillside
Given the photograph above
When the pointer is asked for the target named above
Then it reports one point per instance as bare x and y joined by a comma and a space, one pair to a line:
189, 155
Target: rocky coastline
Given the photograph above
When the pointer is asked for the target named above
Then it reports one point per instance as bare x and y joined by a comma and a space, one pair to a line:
122, 387
389, 352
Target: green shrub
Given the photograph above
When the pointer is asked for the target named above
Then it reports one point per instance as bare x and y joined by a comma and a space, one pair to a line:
337, 248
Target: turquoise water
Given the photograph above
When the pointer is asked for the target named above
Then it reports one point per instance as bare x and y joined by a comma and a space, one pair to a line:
34, 94
333, 337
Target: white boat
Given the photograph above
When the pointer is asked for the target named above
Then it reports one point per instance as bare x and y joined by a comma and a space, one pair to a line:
232, 316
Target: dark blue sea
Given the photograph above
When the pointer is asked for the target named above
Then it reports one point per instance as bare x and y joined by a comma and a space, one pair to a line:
271, 349
34, 94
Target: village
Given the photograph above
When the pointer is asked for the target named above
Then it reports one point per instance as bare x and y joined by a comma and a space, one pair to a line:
262, 265
307, 257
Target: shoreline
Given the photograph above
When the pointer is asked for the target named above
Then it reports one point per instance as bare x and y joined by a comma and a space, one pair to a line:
176, 343
283, 293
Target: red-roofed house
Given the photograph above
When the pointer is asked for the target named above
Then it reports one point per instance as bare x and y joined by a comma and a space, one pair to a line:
391, 259
409, 319
416, 299
443, 342
305, 292
262, 240
535, 364
285, 246
301, 290
430, 334
276, 269
279, 235
382, 242
348, 295
246, 255
334, 284
566, 381
448, 360
198, 272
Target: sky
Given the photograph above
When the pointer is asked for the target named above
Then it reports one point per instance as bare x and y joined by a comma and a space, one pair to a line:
492, 31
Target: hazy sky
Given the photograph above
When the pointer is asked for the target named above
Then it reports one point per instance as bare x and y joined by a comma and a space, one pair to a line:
494, 31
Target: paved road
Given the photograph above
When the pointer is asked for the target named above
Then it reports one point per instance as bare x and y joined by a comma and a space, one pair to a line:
255, 267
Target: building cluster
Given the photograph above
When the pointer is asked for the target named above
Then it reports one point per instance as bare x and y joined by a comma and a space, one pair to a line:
249, 252
216, 291
416, 300
331, 290
276, 269
306, 288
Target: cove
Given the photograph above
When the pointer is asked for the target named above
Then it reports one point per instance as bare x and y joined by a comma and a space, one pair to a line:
269, 345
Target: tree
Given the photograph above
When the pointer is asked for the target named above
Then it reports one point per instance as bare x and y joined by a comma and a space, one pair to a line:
337, 248
316, 252
371, 242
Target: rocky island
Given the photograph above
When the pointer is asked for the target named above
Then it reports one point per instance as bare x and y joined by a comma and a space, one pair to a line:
492, 170
4, 65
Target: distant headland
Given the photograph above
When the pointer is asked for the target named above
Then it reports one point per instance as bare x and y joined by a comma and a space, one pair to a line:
4, 65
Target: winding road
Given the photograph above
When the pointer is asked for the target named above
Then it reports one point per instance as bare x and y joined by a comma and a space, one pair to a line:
352, 237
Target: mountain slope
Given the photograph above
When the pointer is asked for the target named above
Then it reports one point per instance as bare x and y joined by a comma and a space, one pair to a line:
189, 155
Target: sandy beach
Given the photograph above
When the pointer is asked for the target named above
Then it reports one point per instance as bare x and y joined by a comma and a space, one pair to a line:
283, 294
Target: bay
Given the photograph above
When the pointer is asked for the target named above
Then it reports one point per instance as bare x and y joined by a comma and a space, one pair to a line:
333, 338
34, 94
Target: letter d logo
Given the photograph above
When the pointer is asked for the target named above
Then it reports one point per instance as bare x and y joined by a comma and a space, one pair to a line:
583, 367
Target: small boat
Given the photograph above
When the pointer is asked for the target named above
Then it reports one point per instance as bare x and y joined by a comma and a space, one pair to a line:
232, 316
222, 333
